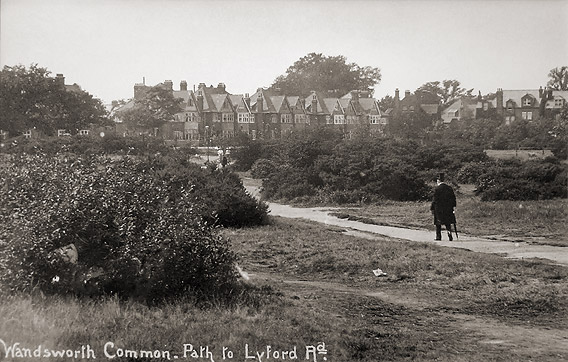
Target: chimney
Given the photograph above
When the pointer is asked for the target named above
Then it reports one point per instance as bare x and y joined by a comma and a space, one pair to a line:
60, 79
139, 91
550, 96
183, 85
406, 93
314, 103
247, 100
499, 95
169, 84
221, 87
355, 95
396, 95
259, 103
540, 92
200, 98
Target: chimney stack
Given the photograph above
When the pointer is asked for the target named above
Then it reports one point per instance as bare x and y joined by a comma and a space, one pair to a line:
169, 84
60, 79
406, 93
221, 87
259, 103
200, 98
183, 85
246, 99
314, 103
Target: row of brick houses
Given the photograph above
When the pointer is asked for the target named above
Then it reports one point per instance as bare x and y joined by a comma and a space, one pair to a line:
212, 112
509, 105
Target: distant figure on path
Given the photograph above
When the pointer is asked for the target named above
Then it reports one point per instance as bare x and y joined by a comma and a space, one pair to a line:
442, 207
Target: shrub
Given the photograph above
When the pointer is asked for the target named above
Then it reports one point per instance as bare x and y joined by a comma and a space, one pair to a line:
515, 180
136, 234
262, 168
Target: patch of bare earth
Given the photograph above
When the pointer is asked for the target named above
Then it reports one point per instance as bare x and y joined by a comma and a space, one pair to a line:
441, 332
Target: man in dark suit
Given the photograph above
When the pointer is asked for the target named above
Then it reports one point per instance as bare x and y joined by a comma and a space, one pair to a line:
442, 207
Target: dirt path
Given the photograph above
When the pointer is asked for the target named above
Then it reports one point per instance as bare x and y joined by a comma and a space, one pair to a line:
516, 250
548, 344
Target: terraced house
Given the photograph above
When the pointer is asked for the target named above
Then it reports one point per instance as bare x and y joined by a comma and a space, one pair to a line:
211, 112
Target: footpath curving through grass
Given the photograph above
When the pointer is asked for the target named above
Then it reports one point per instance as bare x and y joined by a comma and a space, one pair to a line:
313, 285
541, 221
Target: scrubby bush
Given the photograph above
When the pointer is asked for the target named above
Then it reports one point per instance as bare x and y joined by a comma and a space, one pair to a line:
516, 180
93, 145
137, 228
262, 168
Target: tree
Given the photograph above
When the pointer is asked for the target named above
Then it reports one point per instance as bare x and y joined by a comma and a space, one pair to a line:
386, 102
558, 78
30, 98
156, 107
447, 91
316, 72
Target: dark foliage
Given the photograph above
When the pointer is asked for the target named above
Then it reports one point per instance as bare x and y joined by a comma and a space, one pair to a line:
515, 180
141, 227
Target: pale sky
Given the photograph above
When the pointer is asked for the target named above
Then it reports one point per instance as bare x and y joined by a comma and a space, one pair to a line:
106, 46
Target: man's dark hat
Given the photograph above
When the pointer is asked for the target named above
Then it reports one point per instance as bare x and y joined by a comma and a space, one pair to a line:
441, 176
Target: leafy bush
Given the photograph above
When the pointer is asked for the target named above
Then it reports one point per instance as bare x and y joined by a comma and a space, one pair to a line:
516, 180
262, 168
109, 145
137, 228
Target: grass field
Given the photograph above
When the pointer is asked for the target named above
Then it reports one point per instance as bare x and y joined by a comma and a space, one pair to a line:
543, 221
523, 155
315, 286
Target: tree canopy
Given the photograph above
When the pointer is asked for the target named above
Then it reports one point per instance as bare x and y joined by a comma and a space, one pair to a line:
30, 98
447, 91
317, 72
558, 78
157, 106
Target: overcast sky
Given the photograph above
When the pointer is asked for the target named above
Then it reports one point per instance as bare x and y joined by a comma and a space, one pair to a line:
106, 46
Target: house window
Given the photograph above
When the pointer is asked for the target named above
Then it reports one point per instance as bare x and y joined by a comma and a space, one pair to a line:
526, 102
375, 119
411, 108
509, 105
558, 102
252, 118
3, 134
28, 134
84, 132
529, 116
215, 117
243, 118
485, 106
286, 118
339, 119
228, 117
300, 118
178, 135
274, 119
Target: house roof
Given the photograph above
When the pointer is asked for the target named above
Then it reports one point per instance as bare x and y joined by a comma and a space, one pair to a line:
277, 102
331, 105
367, 104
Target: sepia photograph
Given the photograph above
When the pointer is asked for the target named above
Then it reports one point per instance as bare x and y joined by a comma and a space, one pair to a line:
284, 180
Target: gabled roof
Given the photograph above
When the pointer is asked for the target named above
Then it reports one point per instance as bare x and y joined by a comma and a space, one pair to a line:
368, 104
332, 104
517, 95
278, 102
